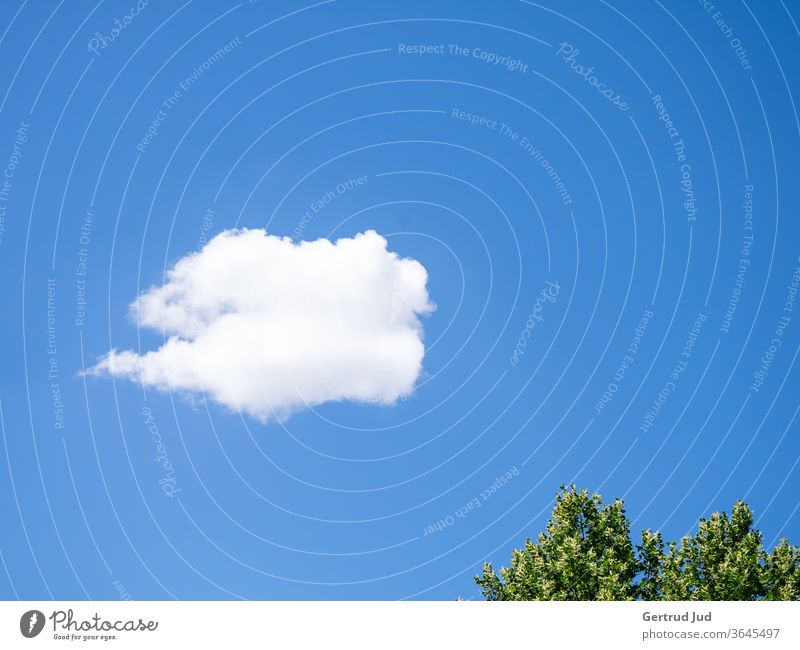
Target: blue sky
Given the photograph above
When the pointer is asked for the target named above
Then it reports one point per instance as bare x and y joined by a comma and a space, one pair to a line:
624, 158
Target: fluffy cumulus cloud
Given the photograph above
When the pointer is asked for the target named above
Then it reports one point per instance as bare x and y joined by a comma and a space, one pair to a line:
266, 326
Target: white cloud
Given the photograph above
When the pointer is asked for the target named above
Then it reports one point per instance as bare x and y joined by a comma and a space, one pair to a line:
266, 326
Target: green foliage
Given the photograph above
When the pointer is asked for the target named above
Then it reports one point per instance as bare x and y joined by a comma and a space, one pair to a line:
586, 553
781, 573
723, 561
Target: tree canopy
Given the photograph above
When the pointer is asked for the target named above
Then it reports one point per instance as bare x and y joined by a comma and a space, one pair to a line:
586, 553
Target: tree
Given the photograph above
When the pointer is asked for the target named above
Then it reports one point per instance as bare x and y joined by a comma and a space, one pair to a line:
723, 561
586, 553
781, 573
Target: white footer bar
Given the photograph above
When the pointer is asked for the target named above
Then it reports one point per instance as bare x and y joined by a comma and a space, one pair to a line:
380, 625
